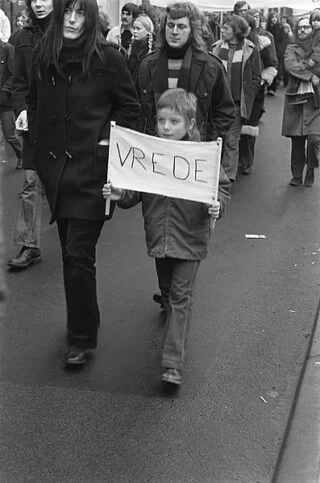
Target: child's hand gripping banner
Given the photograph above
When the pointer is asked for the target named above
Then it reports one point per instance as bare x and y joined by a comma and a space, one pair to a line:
179, 169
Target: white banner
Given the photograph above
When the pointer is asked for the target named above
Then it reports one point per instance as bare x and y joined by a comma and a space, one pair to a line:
179, 169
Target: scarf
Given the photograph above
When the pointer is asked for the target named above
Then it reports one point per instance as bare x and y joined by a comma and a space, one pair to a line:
177, 53
161, 74
231, 56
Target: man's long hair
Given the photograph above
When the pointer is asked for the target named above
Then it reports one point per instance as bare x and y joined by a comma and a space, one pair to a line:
53, 39
180, 10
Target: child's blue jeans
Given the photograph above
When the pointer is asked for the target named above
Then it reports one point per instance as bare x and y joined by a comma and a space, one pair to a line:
176, 281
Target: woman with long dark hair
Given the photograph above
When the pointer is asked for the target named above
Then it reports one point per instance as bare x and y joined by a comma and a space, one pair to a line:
79, 83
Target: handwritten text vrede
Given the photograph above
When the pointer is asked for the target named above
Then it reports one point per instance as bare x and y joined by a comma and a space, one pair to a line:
178, 169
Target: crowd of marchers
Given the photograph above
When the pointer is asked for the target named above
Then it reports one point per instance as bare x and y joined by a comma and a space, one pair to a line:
67, 74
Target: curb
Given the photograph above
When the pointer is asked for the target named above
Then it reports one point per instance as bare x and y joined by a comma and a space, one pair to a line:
299, 456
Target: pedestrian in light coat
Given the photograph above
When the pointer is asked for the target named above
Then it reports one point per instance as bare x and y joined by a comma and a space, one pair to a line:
269, 63
242, 62
79, 83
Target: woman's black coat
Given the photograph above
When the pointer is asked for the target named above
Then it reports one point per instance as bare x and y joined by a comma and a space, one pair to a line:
68, 116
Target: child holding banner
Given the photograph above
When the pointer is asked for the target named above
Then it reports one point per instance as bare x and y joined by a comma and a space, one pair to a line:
177, 232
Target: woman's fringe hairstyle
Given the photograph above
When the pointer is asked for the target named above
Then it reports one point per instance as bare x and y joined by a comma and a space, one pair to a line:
180, 10
53, 39
185, 104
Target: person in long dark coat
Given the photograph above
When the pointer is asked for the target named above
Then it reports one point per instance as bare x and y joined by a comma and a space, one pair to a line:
79, 83
301, 111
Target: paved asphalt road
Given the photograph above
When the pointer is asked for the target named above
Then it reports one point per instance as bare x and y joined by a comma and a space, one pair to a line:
113, 421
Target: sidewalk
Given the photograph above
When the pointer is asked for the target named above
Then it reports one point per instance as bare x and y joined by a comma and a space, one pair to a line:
300, 458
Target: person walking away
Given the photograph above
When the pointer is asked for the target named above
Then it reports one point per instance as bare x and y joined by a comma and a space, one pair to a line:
7, 117
301, 112
143, 39
122, 34
180, 242
241, 60
75, 62
276, 29
28, 226
269, 64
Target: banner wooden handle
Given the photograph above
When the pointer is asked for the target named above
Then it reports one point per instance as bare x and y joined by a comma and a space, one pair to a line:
107, 209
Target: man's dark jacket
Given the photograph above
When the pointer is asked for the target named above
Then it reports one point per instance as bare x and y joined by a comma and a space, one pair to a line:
207, 80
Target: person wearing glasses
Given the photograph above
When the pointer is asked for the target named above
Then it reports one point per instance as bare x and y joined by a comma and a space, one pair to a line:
241, 8
301, 112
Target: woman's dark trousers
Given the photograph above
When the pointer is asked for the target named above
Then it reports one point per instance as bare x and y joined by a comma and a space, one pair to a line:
78, 240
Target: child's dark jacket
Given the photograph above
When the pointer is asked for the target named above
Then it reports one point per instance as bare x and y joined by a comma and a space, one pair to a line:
174, 227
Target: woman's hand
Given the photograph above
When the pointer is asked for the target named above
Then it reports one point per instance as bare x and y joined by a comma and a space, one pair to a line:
315, 80
109, 191
310, 63
214, 209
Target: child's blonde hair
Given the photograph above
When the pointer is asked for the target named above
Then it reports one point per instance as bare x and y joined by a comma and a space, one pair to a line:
185, 104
